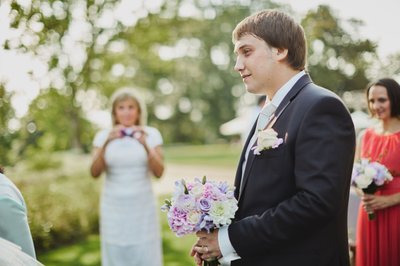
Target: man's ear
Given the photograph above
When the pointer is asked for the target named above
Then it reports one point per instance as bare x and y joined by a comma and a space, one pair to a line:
280, 54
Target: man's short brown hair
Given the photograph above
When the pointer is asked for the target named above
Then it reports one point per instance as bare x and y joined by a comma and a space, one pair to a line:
278, 30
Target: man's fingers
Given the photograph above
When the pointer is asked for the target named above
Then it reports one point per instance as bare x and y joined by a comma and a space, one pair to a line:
197, 259
192, 252
198, 249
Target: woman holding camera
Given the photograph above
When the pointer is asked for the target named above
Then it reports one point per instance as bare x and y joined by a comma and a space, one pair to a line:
129, 226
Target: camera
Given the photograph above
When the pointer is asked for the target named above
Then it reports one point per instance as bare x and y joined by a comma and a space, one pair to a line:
128, 132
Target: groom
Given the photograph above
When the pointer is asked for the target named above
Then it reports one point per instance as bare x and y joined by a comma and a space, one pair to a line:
292, 198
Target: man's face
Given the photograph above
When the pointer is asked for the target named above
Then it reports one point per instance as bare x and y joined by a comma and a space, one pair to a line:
256, 64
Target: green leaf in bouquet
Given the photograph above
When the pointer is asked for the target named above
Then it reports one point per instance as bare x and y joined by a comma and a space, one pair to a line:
168, 203
184, 185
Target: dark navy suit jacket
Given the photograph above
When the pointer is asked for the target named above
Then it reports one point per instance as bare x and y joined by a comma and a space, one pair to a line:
293, 204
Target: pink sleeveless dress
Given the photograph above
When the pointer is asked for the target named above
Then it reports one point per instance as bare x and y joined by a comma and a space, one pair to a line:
378, 240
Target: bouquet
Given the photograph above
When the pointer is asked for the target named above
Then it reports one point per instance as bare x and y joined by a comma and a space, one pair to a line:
368, 176
200, 205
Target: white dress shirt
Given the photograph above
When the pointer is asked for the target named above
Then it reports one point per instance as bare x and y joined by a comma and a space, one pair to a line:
228, 252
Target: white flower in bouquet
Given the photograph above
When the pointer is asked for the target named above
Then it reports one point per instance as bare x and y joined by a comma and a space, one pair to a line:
221, 212
363, 181
370, 172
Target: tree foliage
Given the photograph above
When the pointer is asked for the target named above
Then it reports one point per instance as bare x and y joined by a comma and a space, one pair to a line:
6, 136
179, 54
338, 58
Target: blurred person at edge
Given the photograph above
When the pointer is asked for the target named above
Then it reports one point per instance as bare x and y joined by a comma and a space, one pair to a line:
14, 225
127, 153
378, 240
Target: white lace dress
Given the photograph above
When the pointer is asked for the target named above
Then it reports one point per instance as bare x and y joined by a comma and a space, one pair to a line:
129, 225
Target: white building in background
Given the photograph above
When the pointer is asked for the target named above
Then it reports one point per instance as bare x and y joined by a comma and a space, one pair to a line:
241, 125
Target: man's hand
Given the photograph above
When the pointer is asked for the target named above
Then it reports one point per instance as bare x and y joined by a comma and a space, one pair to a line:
196, 256
206, 247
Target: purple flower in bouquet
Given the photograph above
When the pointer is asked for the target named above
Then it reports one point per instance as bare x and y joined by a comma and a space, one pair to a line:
369, 176
200, 205
205, 205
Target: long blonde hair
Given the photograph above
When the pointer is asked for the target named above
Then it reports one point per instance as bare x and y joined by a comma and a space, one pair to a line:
125, 94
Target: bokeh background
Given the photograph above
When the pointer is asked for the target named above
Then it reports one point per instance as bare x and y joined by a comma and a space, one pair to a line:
61, 60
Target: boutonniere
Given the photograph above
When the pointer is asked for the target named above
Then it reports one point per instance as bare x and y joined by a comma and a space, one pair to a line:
267, 139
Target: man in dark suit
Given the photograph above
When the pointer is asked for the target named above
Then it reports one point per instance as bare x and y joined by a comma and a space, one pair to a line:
292, 197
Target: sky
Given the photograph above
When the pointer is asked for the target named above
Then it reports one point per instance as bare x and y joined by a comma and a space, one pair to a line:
381, 18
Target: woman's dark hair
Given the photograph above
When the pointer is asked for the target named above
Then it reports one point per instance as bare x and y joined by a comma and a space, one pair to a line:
393, 91
1, 170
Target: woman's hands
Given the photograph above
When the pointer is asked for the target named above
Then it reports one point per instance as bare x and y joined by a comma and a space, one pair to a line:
377, 202
98, 163
155, 157
115, 133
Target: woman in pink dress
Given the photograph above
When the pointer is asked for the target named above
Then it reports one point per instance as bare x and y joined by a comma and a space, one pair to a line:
378, 240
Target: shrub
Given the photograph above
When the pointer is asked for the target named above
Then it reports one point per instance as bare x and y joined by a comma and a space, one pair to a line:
62, 202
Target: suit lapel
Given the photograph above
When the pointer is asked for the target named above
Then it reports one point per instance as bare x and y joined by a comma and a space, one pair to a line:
303, 81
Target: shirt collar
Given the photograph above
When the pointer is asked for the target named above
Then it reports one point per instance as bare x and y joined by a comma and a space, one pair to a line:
284, 90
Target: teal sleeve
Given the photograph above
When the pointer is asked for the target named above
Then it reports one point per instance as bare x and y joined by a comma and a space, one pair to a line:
14, 225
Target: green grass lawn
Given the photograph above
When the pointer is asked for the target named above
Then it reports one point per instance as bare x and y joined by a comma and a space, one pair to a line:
87, 252
223, 155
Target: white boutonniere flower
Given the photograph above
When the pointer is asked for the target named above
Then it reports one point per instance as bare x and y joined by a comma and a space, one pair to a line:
267, 139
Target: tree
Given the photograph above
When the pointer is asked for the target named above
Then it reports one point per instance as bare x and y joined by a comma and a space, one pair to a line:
338, 58
388, 67
70, 38
6, 135
186, 61
179, 54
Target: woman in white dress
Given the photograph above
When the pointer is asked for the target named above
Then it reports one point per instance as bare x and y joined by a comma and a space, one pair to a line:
129, 154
